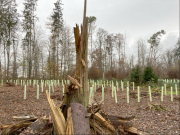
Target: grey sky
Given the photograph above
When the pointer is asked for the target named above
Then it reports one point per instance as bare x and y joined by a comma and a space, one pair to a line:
138, 18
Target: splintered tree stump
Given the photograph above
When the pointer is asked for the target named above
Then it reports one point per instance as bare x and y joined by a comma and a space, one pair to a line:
80, 122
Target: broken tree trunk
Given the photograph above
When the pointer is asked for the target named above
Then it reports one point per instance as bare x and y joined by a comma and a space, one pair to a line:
77, 91
76, 94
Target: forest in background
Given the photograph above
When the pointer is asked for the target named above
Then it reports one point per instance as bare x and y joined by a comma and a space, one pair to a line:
26, 52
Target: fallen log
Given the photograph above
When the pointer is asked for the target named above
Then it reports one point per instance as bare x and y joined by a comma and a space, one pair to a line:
29, 126
35, 128
17, 126
80, 122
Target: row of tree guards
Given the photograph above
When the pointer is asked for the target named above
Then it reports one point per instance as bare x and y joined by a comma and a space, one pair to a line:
98, 82
115, 89
93, 87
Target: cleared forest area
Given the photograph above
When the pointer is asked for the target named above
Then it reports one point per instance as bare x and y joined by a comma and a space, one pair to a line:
82, 80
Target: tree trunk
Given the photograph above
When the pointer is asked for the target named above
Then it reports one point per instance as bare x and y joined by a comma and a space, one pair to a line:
14, 62
0, 70
30, 61
42, 66
8, 59
79, 94
57, 62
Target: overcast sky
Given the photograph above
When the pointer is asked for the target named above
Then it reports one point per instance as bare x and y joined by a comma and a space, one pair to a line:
138, 18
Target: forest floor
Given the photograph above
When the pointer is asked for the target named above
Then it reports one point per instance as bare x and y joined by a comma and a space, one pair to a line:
165, 119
